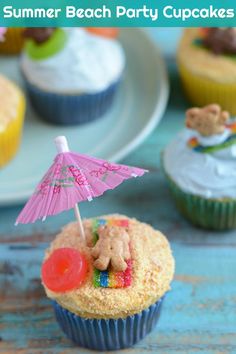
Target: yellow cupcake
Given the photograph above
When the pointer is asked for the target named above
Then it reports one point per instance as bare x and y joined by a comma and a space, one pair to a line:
13, 41
206, 77
152, 273
12, 110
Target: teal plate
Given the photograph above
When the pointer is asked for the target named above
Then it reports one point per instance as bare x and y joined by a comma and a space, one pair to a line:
138, 108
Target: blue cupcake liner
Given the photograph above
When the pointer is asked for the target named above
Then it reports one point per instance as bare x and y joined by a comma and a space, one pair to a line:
71, 109
107, 334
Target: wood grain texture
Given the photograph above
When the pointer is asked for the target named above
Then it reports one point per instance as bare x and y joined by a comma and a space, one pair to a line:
198, 314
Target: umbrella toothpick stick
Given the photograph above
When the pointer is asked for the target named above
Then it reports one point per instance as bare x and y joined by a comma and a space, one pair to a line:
80, 224
62, 146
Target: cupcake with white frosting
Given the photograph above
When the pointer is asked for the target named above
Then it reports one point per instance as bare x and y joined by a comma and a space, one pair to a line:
200, 165
71, 74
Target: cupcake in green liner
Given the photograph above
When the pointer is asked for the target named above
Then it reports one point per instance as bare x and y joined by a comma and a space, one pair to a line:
71, 74
200, 166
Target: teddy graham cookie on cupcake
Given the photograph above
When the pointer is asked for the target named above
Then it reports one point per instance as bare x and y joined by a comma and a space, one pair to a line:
200, 166
207, 64
108, 290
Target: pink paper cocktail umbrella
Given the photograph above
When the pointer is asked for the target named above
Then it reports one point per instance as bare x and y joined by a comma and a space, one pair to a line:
71, 179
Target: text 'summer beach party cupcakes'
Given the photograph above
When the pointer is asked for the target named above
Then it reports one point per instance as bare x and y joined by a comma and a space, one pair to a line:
207, 65
12, 110
71, 74
108, 292
13, 41
200, 165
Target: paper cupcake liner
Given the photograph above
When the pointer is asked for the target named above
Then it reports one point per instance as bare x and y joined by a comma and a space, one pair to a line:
71, 109
110, 334
13, 41
11, 137
202, 91
213, 214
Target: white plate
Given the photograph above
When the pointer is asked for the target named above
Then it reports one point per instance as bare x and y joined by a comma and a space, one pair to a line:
139, 106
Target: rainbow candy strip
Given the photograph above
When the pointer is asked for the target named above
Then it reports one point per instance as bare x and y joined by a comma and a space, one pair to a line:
109, 278
193, 143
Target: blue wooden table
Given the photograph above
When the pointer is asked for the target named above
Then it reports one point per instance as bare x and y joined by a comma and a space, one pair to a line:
199, 313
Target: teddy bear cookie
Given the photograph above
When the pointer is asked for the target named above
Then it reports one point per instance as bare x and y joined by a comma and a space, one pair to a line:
112, 248
209, 120
94, 284
213, 131
200, 166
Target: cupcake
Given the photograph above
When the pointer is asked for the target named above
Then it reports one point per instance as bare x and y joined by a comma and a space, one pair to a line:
207, 65
200, 166
71, 74
13, 42
107, 292
12, 110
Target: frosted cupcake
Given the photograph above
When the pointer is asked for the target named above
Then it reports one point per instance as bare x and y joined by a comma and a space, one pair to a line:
107, 293
12, 110
207, 65
71, 74
13, 42
200, 165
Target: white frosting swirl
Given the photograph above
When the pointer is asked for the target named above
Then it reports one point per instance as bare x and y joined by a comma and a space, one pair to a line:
203, 174
87, 64
212, 139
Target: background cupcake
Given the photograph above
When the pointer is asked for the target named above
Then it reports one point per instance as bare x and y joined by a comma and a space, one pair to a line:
71, 74
123, 258
13, 41
12, 110
207, 65
201, 170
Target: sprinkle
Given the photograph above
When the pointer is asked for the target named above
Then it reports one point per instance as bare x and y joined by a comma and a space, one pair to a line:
96, 278
104, 279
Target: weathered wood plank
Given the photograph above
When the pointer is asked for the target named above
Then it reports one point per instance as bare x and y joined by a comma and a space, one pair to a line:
198, 315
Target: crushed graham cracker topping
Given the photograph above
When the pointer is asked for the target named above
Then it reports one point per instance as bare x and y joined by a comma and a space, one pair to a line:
153, 270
